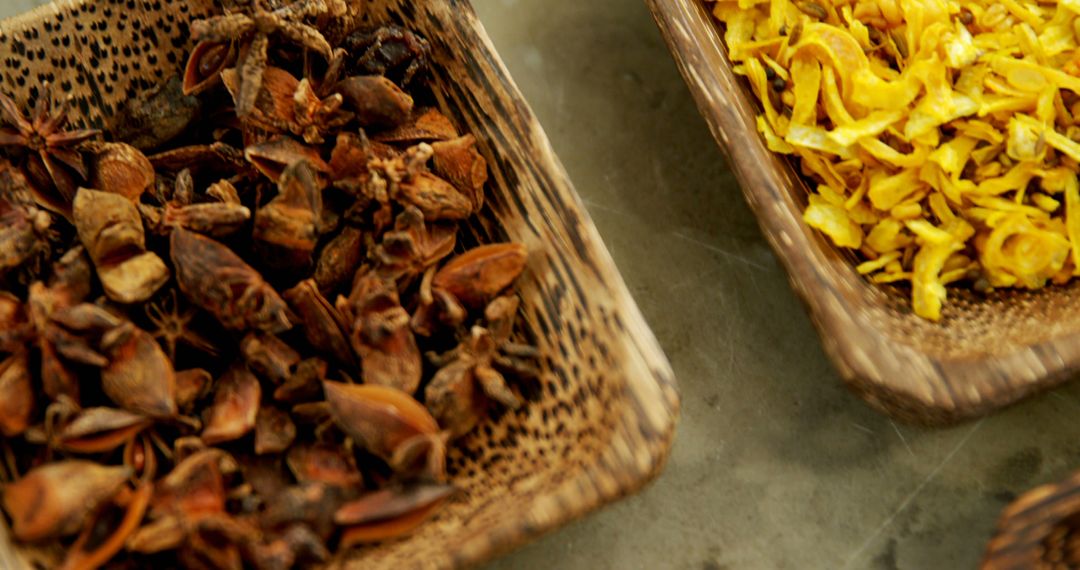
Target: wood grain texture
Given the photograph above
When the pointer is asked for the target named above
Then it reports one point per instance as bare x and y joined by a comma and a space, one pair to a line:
1036, 530
986, 352
600, 423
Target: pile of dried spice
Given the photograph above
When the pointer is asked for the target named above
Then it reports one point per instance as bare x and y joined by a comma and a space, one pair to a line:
941, 134
214, 327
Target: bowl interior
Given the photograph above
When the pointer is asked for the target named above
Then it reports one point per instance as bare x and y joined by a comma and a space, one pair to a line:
599, 423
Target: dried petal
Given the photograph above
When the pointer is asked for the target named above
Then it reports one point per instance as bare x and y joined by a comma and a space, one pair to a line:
274, 431
53, 500
236, 405
376, 101
139, 377
16, 395
120, 169
478, 275
216, 279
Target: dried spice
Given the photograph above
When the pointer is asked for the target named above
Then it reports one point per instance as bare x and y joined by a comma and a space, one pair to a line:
940, 139
214, 355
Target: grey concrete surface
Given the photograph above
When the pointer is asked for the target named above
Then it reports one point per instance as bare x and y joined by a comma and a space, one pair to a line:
775, 465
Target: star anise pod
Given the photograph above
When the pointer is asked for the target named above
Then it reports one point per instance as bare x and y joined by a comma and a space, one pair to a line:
253, 33
53, 165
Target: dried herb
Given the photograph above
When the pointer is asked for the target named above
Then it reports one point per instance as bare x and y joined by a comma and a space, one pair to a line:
214, 355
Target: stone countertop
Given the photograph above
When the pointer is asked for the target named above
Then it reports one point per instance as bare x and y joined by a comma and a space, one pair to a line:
775, 464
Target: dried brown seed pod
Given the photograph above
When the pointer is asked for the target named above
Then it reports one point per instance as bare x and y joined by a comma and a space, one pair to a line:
390, 513
235, 407
159, 535
287, 229
54, 500
274, 431
205, 64
413, 246
17, 400
269, 356
23, 235
97, 430
435, 197
390, 424
217, 280
91, 550
139, 377
349, 163
216, 219
110, 227
458, 162
305, 383
425, 125
120, 169
215, 157
388, 504
310, 503
324, 463
339, 259
324, 327
478, 275
376, 101
192, 386
382, 335
274, 156
194, 488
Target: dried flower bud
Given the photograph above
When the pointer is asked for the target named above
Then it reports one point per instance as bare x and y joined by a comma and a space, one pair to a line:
53, 500
120, 169
376, 101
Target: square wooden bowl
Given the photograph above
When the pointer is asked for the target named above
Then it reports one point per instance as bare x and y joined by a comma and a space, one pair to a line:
988, 351
601, 422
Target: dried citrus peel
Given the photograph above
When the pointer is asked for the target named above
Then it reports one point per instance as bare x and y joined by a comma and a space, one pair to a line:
940, 133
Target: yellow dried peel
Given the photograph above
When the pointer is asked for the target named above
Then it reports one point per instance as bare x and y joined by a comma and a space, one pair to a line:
940, 133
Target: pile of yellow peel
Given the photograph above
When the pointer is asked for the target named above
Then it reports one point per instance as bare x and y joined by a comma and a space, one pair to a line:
941, 134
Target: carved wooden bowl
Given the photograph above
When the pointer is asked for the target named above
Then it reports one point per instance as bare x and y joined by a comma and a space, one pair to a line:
599, 425
985, 353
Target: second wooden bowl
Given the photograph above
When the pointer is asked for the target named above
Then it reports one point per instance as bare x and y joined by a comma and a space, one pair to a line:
985, 353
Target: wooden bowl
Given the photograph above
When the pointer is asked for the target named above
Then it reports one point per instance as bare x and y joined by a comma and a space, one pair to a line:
985, 353
601, 422
1041, 529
